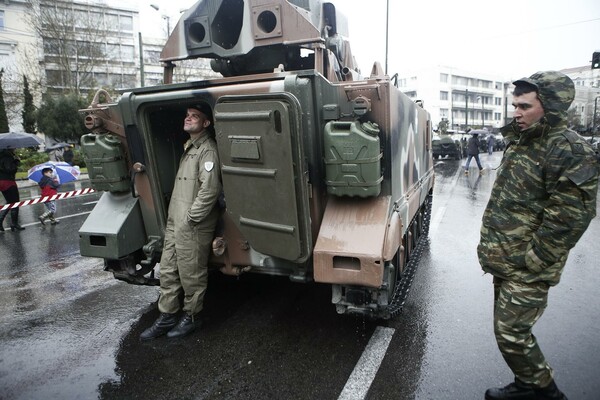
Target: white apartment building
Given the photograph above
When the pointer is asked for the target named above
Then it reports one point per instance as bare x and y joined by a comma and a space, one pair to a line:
23, 52
465, 99
470, 99
587, 95
15, 39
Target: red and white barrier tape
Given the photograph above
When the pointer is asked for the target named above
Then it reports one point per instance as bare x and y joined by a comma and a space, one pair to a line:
44, 199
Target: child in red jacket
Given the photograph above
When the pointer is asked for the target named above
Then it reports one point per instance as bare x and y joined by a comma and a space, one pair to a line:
49, 184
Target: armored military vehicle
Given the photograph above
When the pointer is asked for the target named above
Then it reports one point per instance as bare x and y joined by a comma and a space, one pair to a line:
450, 143
327, 175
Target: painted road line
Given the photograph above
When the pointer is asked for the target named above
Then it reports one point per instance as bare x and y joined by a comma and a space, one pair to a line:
365, 370
435, 221
59, 217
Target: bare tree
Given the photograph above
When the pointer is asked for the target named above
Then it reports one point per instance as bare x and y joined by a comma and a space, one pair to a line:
193, 70
74, 41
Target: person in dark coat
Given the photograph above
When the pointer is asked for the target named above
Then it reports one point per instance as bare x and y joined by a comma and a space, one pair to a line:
473, 152
9, 163
68, 155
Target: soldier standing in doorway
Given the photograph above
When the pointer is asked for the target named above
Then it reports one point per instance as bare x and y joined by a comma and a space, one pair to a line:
191, 222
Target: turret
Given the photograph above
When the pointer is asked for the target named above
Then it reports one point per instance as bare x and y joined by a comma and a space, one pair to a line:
256, 36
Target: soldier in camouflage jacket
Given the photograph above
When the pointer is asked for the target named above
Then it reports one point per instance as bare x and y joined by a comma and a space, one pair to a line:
543, 200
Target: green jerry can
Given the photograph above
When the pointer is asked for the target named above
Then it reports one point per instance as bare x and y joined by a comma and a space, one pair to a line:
352, 158
105, 160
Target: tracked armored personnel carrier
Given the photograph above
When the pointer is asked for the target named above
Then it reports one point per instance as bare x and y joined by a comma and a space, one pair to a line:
327, 175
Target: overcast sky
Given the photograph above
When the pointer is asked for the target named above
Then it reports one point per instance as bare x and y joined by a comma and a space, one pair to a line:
512, 38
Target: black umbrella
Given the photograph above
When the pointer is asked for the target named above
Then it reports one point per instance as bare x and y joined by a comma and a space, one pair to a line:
18, 140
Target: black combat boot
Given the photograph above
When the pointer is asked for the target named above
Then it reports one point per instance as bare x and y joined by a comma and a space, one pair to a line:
550, 392
185, 326
514, 391
162, 325
14, 218
2, 216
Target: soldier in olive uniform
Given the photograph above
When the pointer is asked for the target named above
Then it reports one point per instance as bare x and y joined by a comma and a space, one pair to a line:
543, 200
193, 215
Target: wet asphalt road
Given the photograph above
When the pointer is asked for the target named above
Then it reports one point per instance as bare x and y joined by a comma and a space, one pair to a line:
69, 331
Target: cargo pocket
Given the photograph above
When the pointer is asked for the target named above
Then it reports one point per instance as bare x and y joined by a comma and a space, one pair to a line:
521, 305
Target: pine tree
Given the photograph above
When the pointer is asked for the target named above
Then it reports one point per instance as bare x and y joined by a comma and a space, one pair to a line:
28, 112
3, 117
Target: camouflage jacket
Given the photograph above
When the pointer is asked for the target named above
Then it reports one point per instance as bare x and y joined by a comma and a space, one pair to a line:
543, 200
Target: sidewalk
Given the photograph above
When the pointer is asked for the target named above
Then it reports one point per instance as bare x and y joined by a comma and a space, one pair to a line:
26, 183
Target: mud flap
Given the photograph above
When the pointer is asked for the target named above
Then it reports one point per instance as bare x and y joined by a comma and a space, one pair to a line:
351, 242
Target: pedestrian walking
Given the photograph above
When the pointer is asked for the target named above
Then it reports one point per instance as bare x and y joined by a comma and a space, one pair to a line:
56, 155
9, 163
192, 218
473, 152
490, 143
542, 201
49, 185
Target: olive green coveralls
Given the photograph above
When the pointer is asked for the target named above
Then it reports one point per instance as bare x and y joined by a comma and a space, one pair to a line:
191, 223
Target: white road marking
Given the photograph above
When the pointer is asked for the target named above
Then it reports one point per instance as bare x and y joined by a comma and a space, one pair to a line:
435, 221
365, 370
59, 217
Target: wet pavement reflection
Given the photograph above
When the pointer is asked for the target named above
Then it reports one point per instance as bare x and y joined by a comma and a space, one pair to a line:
69, 330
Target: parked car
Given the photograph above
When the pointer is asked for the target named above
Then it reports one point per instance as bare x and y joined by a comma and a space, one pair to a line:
500, 144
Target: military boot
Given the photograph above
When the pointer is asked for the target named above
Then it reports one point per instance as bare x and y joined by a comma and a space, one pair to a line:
185, 326
550, 392
520, 391
162, 325
514, 391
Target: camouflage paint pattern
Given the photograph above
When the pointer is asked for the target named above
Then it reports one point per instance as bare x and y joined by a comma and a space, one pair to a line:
543, 200
517, 307
280, 219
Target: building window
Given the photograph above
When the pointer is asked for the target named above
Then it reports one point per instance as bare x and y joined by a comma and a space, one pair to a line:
2, 20
497, 116
443, 95
128, 53
152, 56
126, 23
498, 101
443, 113
443, 77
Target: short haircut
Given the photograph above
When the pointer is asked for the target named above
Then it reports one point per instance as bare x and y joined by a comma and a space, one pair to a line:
44, 170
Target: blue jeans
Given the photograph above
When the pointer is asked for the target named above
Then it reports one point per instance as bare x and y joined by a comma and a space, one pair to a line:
469, 157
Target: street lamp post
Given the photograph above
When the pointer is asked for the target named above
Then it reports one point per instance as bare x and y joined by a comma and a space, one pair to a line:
482, 112
594, 121
165, 17
466, 109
